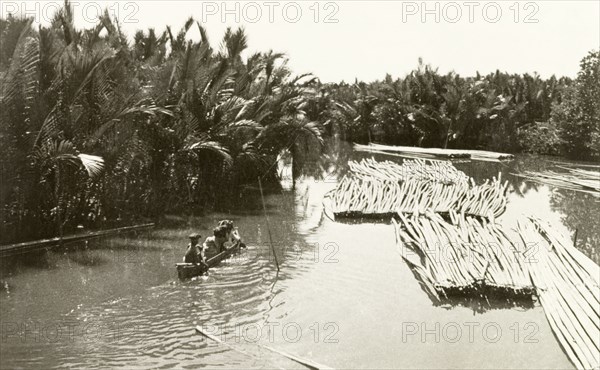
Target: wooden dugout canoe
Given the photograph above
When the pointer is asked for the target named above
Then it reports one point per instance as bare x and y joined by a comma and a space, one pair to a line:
190, 270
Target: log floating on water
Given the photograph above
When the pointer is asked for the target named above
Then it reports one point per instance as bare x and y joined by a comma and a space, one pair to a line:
437, 152
26, 247
577, 164
574, 179
568, 285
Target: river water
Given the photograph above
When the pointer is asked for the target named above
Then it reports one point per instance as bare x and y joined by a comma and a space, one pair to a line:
343, 297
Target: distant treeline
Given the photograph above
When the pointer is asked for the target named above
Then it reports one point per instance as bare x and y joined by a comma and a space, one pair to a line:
97, 128
500, 111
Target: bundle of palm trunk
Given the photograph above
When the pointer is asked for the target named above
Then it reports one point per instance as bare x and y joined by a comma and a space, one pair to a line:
568, 285
468, 257
574, 179
361, 196
412, 151
419, 169
436, 152
462, 257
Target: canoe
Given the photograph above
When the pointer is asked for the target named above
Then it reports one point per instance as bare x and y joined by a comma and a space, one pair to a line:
190, 270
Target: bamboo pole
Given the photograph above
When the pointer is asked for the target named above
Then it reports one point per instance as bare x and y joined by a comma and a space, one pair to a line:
309, 364
262, 197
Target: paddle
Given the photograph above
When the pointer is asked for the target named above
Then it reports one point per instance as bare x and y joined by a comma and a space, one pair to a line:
213, 338
308, 363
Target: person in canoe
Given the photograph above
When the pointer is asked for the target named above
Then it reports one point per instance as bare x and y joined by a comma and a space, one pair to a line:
195, 253
216, 242
233, 237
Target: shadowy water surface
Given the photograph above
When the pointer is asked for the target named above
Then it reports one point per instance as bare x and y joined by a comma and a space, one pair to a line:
343, 297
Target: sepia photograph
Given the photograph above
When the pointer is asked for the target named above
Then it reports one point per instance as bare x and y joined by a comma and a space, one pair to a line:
309, 184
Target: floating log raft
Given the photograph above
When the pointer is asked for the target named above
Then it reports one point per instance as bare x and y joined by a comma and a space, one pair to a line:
475, 258
365, 148
469, 256
437, 152
577, 164
384, 188
357, 197
434, 171
464, 257
414, 155
574, 179
483, 155
568, 285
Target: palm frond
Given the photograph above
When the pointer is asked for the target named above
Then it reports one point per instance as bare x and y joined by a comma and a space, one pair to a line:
234, 42
199, 146
144, 107
55, 152
203, 34
313, 130
24, 58
250, 157
300, 77
231, 128
246, 123
50, 127
93, 164
88, 64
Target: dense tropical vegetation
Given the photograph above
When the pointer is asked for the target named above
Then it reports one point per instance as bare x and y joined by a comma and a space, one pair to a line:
97, 127
499, 112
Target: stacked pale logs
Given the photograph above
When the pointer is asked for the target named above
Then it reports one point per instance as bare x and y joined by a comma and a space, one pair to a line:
568, 285
431, 171
386, 188
434, 152
468, 256
462, 255
575, 179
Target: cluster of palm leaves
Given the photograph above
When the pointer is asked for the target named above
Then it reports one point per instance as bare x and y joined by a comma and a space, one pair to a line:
426, 108
94, 128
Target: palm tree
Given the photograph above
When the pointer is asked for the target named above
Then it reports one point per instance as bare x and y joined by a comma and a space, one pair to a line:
187, 123
60, 96
56, 160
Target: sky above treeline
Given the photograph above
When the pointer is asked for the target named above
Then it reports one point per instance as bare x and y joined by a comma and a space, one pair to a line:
344, 40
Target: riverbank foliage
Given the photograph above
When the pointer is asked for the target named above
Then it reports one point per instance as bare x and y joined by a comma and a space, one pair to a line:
98, 127
499, 111
95, 129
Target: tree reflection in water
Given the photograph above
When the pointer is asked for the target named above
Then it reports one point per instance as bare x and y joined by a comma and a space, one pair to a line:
580, 211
